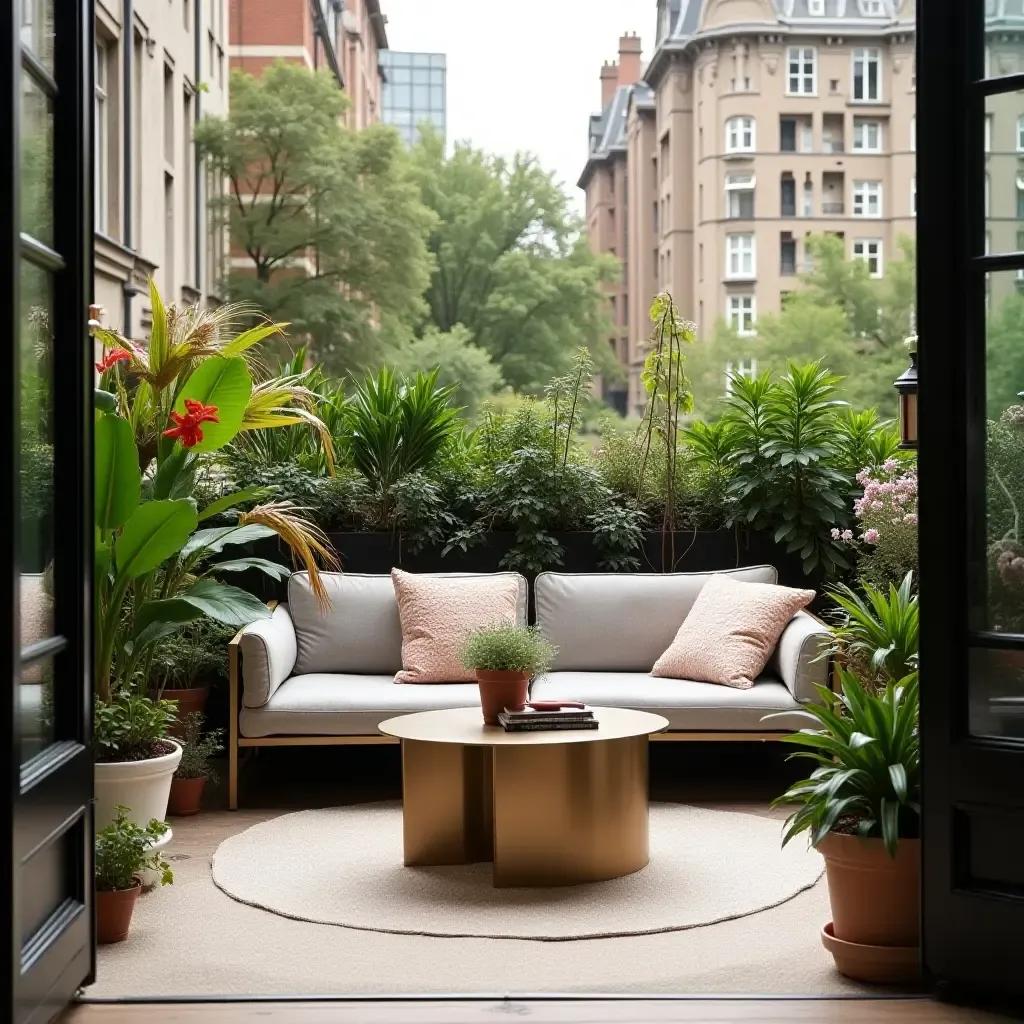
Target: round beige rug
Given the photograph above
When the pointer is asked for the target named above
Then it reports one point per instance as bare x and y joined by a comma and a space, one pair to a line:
343, 866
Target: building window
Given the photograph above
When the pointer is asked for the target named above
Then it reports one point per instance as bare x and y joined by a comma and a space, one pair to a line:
169, 114
988, 133
869, 250
787, 254
867, 76
743, 314
867, 199
740, 261
913, 195
816, 8
808, 207
867, 135
101, 145
787, 194
740, 71
787, 134
739, 195
739, 135
743, 368
913, 135
1020, 197
1020, 134
872, 8
802, 79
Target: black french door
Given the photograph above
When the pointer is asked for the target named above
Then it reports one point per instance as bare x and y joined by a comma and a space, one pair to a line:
45, 287
971, 319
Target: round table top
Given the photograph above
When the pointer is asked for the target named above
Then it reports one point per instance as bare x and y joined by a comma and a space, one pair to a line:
466, 726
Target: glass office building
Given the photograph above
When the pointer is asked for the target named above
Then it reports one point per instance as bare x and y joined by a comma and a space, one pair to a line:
414, 92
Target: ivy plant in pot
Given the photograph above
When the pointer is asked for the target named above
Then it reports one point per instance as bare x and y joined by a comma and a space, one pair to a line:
505, 657
160, 415
193, 771
124, 851
861, 806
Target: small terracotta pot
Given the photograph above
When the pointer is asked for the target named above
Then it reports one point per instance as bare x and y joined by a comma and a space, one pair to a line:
114, 913
192, 699
500, 690
186, 796
875, 898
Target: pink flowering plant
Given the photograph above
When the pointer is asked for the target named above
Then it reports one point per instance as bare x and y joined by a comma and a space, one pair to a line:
886, 534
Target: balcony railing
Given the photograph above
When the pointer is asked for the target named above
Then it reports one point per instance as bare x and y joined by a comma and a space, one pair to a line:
832, 209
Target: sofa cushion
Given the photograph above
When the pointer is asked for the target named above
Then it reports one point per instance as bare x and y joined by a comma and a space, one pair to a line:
347, 705
360, 633
688, 706
438, 613
620, 622
730, 632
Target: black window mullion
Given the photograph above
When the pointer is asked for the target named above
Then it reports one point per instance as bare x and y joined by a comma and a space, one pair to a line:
37, 71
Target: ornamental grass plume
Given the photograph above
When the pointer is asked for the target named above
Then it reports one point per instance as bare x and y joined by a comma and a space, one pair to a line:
306, 540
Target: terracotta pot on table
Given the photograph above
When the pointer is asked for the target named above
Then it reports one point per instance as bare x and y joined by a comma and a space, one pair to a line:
500, 690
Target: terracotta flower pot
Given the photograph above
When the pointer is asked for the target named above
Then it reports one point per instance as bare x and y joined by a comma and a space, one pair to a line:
874, 934
500, 690
186, 796
192, 699
114, 913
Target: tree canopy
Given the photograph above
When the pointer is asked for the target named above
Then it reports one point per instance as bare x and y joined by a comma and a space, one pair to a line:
328, 220
512, 263
854, 323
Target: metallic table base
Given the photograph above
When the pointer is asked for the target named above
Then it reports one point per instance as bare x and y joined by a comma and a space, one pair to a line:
545, 814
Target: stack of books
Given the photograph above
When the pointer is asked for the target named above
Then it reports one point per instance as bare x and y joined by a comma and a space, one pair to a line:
538, 715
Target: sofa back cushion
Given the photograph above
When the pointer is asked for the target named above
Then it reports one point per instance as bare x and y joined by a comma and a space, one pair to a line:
620, 622
360, 634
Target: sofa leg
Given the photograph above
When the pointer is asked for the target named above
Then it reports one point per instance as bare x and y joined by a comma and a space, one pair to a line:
233, 705
233, 778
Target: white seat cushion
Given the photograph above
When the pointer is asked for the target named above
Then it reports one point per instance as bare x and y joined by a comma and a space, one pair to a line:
688, 706
324, 704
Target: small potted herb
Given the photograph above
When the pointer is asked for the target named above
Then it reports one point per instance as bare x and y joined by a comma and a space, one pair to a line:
862, 808
505, 657
187, 663
123, 852
193, 771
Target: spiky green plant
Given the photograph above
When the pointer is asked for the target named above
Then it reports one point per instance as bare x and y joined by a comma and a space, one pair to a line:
878, 631
868, 756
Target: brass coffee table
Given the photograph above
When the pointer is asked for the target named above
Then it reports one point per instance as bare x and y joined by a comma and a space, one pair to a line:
547, 808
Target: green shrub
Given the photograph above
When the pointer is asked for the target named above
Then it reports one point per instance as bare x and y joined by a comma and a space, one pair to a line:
194, 656
197, 748
868, 758
507, 648
130, 727
122, 851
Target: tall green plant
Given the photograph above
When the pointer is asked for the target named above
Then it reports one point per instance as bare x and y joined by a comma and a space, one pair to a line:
868, 756
397, 427
878, 632
786, 452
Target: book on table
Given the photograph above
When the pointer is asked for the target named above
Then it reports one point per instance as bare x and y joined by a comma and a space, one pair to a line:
548, 715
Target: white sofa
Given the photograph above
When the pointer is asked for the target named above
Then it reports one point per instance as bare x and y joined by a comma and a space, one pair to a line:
306, 676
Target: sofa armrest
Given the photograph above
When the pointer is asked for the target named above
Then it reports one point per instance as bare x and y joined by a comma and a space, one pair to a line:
269, 649
800, 657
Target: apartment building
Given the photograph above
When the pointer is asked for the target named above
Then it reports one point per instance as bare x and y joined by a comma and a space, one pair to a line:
346, 36
414, 92
758, 123
159, 66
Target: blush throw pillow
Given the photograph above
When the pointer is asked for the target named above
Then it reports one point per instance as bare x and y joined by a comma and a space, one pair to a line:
731, 632
437, 613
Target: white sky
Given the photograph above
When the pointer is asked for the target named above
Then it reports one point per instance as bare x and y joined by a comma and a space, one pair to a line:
522, 74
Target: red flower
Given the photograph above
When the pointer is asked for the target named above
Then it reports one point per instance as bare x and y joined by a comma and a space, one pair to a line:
112, 358
187, 428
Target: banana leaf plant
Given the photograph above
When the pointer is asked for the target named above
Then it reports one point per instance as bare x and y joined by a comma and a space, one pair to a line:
153, 572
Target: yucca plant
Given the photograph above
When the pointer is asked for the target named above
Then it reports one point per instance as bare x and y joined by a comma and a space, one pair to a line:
878, 632
868, 757
396, 427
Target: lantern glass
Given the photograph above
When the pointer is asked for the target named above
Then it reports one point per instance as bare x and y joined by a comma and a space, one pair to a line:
908, 420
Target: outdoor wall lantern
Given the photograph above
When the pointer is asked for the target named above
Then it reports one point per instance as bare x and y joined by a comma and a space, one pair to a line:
906, 385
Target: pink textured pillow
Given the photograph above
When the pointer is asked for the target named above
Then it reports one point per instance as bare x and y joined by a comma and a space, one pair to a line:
437, 612
730, 632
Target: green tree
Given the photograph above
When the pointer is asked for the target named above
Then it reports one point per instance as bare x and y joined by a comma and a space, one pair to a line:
458, 361
512, 263
329, 220
1005, 357
852, 323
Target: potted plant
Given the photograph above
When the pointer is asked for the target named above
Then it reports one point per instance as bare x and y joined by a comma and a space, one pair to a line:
193, 771
861, 806
123, 851
161, 412
186, 664
505, 657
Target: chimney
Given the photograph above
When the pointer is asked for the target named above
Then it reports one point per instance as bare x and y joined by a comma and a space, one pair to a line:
629, 59
609, 82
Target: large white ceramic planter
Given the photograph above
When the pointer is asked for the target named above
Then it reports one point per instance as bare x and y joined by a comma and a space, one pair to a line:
142, 786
